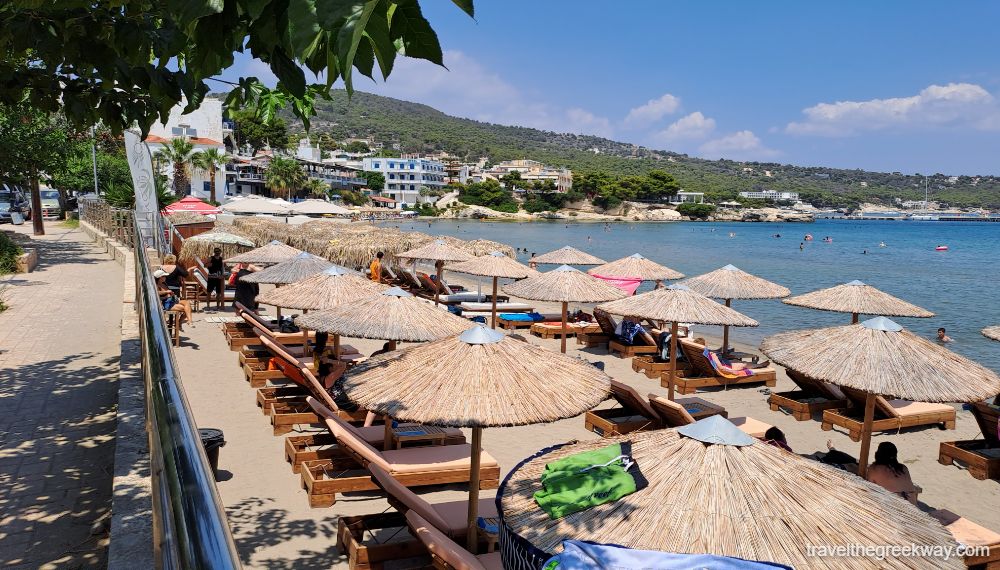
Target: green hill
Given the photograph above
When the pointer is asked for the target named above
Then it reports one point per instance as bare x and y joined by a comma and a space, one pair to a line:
419, 128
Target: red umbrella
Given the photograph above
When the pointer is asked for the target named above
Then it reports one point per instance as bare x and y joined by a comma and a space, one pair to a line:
191, 204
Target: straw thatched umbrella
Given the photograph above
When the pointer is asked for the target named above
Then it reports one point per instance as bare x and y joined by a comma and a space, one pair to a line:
495, 265
480, 378
731, 282
325, 290
881, 358
295, 269
438, 250
991, 332
318, 207
568, 256
564, 284
857, 298
711, 489
637, 266
392, 314
257, 206
201, 245
677, 304
273, 252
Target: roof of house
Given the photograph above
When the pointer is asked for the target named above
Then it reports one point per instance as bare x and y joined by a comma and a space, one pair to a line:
194, 140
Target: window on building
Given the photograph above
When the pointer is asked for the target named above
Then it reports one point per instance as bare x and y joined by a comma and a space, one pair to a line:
391, 165
375, 165
411, 177
411, 187
412, 166
392, 177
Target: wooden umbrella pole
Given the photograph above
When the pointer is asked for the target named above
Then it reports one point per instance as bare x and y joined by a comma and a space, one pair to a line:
472, 534
494, 321
336, 346
866, 434
563, 345
387, 438
305, 343
279, 314
854, 318
725, 331
672, 375
392, 345
439, 284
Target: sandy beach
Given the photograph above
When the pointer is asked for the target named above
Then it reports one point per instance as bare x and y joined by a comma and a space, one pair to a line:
275, 528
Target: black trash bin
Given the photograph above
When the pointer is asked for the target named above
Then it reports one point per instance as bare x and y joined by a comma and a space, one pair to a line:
212, 439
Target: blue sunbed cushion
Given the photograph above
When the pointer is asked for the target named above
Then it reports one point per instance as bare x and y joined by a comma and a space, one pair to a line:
522, 317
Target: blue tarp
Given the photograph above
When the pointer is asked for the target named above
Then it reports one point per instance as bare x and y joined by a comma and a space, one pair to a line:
579, 555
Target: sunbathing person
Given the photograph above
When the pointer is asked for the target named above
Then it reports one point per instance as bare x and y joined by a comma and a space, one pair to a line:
776, 437
888, 472
170, 300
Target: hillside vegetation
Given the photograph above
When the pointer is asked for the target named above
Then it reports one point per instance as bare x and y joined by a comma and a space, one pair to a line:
419, 128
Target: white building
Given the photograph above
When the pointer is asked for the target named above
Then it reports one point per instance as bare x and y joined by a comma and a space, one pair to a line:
204, 128
688, 198
405, 176
307, 151
532, 170
772, 195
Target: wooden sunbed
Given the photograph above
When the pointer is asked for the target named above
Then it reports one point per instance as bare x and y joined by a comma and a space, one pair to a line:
361, 539
634, 413
261, 327
199, 283
445, 553
812, 397
324, 479
676, 414
889, 414
969, 533
512, 325
980, 456
642, 343
598, 338
322, 445
703, 375
554, 330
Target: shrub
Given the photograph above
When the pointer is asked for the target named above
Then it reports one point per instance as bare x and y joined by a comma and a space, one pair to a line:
695, 210
9, 252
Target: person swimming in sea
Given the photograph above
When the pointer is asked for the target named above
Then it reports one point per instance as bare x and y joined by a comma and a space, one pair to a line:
802, 246
882, 244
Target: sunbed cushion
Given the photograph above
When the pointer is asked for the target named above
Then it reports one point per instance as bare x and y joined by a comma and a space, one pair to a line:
456, 513
436, 458
521, 317
966, 531
908, 408
491, 561
628, 397
410, 499
443, 547
347, 435
750, 426
462, 297
500, 306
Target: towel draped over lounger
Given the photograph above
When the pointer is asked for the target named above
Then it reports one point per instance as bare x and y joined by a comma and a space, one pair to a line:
724, 367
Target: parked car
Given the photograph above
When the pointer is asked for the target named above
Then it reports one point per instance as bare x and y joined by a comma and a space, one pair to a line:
51, 210
12, 199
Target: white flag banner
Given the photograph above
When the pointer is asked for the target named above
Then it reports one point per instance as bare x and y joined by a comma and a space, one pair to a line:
147, 209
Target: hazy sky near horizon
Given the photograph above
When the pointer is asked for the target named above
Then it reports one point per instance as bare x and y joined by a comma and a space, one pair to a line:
910, 86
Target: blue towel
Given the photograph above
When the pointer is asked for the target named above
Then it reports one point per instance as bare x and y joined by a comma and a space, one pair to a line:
522, 317
579, 555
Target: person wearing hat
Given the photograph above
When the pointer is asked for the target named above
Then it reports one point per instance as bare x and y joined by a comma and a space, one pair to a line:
171, 302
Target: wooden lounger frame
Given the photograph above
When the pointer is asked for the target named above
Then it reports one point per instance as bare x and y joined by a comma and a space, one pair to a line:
702, 374
285, 393
970, 452
886, 418
540, 330
323, 445
647, 364
631, 414
371, 555
512, 325
812, 397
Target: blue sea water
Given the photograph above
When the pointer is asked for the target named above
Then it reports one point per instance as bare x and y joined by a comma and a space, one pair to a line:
958, 285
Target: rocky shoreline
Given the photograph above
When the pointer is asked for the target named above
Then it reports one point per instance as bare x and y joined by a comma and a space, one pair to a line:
630, 212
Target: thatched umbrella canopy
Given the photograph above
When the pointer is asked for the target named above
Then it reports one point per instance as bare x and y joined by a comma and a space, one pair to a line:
881, 358
714, 490
857, 298
677, 304
318, 207
392, 314
636, 266
991, 332
495, 265
731, 282
257, 206
438, 250
480, 378
201, 245
295, 269
273, 252
568, 256
564, 284
325, 290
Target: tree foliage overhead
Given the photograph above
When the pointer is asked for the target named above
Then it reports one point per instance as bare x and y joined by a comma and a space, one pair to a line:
130, 61
253, 131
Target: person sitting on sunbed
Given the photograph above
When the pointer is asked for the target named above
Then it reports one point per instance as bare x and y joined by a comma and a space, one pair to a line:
629, 330
888, 472
776, 437
731, 369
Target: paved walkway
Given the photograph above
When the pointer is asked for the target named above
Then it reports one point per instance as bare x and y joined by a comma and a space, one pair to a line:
58, 391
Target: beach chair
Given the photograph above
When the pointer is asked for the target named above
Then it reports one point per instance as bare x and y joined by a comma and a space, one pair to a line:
703, 373
889, 414
679, 413
969, 533
600, 338
812, 397
409, 280
513, 321
412, 467
980, 456
445, 553
260, 327
548, 329
634, 413
642, 343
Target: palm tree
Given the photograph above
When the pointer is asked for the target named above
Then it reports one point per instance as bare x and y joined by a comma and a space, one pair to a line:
316, 187
284, 176
210, 160
178, 154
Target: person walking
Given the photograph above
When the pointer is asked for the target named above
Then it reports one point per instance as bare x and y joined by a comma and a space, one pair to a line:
216, 276
375, 268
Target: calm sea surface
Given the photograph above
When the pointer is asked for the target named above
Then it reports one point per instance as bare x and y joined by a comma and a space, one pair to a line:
959, 285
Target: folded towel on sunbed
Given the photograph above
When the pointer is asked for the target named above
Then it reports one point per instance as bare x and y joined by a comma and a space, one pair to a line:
725, 368
578, 555
522, 317
588, 479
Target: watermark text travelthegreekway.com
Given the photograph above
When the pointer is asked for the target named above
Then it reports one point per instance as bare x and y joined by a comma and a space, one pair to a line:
895, 551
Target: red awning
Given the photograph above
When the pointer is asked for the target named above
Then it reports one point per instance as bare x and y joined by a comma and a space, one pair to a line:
191, 204
383, 199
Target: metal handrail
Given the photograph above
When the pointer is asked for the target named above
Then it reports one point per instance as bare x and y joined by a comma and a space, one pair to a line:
190, 528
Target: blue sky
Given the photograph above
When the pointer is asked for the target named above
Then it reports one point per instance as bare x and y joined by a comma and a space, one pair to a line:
909, 86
